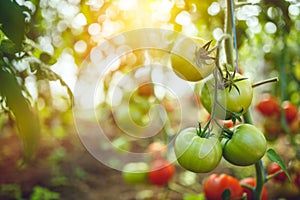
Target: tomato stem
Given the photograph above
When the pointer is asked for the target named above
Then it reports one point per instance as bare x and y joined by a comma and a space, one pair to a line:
270, 80
260, 180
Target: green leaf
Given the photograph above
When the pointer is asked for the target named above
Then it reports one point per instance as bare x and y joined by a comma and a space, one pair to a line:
25, 117
226, 194
273, 156
8, 47
13, 21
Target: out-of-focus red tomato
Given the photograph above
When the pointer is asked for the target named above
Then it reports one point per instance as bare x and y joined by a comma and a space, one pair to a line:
216, 184
268, 105
252, 183
290, 110
161, 172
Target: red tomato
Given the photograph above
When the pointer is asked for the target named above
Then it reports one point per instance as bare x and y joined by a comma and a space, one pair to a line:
252, 183
290, 110
268, 105
273, 168
229, 124
216, 184
161, 172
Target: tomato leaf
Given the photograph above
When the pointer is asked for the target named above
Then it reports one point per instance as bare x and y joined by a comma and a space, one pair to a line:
25, 118
226, 194
273, 156
13, 21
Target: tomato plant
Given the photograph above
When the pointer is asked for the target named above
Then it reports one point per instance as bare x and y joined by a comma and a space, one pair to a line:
251, 182
234, 98
135, 172
161, 172
246, 146
275, 168
195, 153
216, 184
187, 64
268, 105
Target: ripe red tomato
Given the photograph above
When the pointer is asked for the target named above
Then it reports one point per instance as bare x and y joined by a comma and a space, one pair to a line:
216, 184
161, 172
273, 168
268, 105
290, 110
252, 183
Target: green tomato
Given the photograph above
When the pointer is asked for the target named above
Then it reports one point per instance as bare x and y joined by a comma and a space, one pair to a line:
136, 173
207, 99
231, 99
239, 100
129, 119
121, 144
183, 60
195, 153
246, 146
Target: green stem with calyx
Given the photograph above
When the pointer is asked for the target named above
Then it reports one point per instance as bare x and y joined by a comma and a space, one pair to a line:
259, 168
216, 83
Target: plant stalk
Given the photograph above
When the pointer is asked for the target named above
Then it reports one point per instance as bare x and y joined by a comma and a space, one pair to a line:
228, 30
259, 168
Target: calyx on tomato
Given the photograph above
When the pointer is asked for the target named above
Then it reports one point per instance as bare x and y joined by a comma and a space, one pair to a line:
191, 60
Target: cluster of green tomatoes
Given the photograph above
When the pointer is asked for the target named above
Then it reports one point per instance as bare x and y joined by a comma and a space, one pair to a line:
225, 95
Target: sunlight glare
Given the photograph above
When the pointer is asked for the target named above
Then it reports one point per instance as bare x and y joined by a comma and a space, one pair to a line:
127, 4
183, 18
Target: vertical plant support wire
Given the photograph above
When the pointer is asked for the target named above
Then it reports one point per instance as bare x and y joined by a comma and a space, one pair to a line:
230, 29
